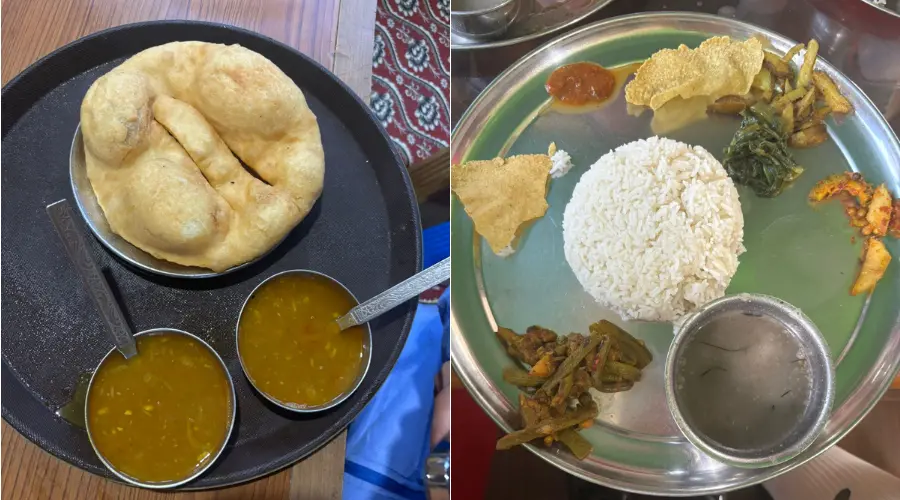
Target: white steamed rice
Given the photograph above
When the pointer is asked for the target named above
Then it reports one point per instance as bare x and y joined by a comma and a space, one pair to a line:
654, 229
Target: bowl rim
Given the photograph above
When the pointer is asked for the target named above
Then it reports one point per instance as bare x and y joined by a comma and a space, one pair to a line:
199, 471
485, 10
367, 348
810, 337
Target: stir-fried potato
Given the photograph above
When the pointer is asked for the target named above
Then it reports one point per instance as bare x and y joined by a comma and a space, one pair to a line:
787, 120
894, 225
820, 114
802, 103
879, 213
798, 126
809, 137
809, 62
787, 87
813, 95
788, 98
832, 95
874, 264
804, 106
776, 65
792, 52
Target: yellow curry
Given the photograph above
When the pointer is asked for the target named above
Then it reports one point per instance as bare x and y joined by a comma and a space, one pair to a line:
163, 414
290, 343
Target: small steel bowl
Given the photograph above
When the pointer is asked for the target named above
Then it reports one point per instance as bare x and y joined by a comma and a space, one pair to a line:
167, 484
96, 221
367, 349
749, 380
483, 23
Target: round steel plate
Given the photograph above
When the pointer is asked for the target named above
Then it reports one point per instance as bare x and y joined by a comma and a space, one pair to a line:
801, 254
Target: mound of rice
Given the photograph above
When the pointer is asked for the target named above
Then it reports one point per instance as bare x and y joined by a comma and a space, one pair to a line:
654, 229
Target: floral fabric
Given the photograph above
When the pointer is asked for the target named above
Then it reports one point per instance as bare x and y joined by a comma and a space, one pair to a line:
411, 74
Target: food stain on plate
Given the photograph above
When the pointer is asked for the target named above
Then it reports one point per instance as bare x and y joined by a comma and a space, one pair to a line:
162, 415
291, 346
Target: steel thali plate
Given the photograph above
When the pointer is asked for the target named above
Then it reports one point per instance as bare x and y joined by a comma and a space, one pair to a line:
799, 253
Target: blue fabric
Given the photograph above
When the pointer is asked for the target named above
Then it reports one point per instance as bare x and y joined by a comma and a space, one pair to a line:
444, 311
435, 244
376, 485
388, 442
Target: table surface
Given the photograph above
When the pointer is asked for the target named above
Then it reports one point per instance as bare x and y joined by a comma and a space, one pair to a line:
339, 34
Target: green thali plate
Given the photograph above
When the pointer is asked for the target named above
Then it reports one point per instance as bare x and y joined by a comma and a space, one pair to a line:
797, 252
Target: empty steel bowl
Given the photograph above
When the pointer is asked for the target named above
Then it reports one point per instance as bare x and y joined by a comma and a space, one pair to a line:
367, 350
482, 19
749, 380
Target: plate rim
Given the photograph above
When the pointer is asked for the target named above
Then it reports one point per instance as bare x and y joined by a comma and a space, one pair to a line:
473, 377
532, 36
22, 428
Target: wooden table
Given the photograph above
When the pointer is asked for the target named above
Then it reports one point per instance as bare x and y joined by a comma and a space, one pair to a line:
339, 34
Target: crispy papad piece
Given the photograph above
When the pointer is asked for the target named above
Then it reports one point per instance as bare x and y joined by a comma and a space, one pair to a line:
720, 66
501, 195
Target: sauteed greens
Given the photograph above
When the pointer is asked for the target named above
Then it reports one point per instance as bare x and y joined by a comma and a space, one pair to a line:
758, 155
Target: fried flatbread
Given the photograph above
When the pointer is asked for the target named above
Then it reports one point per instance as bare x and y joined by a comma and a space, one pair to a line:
165, 133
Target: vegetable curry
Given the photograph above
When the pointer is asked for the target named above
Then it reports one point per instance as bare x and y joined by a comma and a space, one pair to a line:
290, 343
163, 414
563, 369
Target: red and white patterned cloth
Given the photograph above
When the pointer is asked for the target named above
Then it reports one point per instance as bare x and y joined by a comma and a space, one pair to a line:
411, 74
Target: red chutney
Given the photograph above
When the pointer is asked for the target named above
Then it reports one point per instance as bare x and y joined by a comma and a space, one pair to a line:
581, 83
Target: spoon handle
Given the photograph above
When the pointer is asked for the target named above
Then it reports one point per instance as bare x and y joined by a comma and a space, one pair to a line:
396, 295
91, 276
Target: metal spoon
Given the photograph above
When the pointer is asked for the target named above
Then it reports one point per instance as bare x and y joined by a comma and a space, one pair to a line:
72, 236
396, 295
91, 276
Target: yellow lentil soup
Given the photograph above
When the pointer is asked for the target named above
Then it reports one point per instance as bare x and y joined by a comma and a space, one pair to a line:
290, 344
164, 414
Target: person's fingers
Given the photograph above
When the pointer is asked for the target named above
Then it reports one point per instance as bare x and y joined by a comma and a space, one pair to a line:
445, 375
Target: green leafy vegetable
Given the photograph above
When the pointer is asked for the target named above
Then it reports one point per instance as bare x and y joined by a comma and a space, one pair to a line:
758, 156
